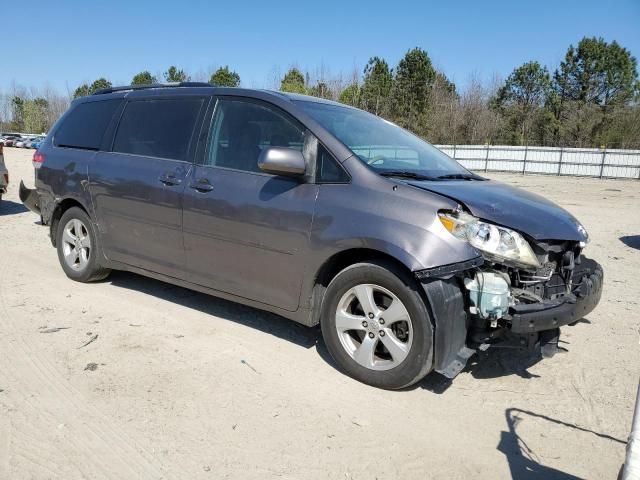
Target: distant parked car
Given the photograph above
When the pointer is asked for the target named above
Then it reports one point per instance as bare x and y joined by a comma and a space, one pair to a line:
4, 174
4, 136
10, 140
19, 142
22, 142
36, 142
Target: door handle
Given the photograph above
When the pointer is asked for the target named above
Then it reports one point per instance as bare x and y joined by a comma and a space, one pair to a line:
201, 185
169, 179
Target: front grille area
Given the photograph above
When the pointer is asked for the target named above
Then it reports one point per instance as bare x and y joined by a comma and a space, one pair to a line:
556, 287
555, 279
542, 274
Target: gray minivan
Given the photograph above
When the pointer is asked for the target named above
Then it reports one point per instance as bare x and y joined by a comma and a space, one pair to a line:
317, 211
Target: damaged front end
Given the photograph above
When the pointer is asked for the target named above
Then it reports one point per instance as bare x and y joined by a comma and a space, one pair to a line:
520, 292
507, 302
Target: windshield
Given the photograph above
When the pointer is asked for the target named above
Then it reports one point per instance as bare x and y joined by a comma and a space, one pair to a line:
382, 145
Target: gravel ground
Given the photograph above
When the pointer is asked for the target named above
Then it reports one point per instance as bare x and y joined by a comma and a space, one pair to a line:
176, 384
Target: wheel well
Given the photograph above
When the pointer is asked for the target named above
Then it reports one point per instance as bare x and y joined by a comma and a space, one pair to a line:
62, 207
339, 262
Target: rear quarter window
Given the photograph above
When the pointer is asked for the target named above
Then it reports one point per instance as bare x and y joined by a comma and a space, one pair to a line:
85, 125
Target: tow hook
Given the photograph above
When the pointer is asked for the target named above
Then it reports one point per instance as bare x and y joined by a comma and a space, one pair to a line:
549, 342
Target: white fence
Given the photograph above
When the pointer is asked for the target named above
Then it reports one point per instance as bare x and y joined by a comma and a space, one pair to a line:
589, 162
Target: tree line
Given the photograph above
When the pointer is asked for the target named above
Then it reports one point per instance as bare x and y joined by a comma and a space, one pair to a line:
222, 77
592, 99
23, 111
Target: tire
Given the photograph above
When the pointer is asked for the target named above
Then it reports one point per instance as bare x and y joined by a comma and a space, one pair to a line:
77, 245
411, 338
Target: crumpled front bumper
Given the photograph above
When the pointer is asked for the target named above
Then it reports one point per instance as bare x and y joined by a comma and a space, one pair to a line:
538, 317
457, 338
30, 198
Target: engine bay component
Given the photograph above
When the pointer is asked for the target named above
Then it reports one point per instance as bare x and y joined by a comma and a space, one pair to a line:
489, 294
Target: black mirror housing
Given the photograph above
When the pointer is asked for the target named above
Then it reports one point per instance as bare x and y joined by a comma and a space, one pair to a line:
284, 161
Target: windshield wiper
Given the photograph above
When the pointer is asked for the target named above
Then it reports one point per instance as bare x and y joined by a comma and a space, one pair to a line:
459, 176
405, 174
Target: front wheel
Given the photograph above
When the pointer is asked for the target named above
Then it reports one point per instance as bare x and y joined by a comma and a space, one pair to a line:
77, 243
376, 325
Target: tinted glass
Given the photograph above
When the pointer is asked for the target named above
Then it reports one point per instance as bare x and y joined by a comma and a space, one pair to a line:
84, 126
328, 170
242, 129
379, 143
158, 128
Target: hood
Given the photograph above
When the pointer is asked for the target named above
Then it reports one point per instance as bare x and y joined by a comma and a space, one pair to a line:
510, 207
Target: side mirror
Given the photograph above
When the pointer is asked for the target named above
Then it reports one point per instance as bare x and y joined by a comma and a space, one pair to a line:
288, 162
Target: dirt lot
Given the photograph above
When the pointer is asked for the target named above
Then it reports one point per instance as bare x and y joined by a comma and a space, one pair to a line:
180, 385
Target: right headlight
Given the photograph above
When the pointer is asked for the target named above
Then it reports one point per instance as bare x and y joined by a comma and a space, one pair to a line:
497, 243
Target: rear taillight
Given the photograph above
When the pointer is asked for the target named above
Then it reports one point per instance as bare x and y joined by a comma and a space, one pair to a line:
38, 159
1, 147
6, 179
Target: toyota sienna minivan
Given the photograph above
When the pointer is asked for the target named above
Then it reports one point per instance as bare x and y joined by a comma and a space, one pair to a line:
317, 211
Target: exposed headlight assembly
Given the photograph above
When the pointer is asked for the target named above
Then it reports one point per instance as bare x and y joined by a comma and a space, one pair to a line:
496, 243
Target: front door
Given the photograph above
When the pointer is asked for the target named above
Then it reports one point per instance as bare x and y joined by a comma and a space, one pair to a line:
137, 188
246, 232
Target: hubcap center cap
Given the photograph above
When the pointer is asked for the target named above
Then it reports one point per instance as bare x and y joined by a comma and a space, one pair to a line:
374, 325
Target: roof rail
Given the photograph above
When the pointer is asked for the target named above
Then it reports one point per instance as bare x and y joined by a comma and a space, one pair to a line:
103, 91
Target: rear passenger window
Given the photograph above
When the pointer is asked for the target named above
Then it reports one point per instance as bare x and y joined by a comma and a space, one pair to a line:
85, 125
241, 129
158, 128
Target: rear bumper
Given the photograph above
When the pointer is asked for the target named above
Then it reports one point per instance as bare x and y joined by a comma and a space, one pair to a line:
538, 317
30, 198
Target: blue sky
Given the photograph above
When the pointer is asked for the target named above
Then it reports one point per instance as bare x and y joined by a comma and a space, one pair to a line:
65, 43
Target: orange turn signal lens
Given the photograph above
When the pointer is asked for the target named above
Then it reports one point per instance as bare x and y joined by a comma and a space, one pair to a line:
447, 222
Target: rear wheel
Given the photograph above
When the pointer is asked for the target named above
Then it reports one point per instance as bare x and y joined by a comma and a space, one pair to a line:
77, 247
376, 325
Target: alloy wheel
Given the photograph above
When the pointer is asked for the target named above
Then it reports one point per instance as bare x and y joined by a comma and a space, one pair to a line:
76, 244
374, 327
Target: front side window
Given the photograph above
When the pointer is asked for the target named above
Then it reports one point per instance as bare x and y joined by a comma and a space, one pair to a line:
383, 146
158, 128
242, 129
85, 125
